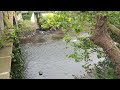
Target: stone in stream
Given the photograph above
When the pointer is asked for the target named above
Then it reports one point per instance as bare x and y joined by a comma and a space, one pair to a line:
75, 77
40, 73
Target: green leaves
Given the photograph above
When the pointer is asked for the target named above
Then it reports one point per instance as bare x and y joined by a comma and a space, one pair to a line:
83, 47
75, 55
26, 25
67, 38
27, 16
113, 17
51, 20
105, 70
79, 28
17, 61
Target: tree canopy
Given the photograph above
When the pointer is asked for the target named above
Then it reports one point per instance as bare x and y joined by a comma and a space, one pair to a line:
103, 30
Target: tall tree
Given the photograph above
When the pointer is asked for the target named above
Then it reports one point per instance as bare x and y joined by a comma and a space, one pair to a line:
103, 39
8, 18
101, 36
1, 21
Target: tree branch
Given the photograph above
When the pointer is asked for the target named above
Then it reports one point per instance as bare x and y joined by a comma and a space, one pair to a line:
114, 29
102, 39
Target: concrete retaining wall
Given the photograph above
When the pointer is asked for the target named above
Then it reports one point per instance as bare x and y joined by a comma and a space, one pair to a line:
5, 61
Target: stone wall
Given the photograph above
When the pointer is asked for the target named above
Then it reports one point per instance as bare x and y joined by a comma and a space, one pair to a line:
6, 51
5, 61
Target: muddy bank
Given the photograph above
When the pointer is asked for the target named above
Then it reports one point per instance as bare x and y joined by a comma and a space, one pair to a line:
40, 36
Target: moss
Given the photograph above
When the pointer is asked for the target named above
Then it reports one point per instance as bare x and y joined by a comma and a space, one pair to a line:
7, 23
6, 16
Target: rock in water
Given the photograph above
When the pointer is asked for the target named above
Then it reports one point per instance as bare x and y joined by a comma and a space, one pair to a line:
40, 73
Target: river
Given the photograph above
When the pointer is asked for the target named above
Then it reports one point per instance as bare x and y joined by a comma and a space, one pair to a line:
48, 61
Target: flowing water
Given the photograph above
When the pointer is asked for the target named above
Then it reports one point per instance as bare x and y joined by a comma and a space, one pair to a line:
48, 61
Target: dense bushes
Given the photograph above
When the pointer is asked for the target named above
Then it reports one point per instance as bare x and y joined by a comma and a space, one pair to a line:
17, 61
27, 16
7, 22
52, 20
4, 37
26, 25
105, 70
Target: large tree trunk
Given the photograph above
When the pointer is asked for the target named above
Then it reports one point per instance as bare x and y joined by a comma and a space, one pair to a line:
102, 39
1, 24
114, 29
8, 18
1, 21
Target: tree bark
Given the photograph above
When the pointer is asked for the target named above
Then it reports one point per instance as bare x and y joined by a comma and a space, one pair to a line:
1, 24
114, 29
103, 39
1, 21
8, 18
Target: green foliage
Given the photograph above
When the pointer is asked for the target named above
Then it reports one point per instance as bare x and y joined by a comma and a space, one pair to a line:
4, 37
67, 38
7, 22
27, 16
1, 43
26, 25
17, 12
76, 56
105, 70
113, 17
53, 20
83, 47
76, 21
17, 61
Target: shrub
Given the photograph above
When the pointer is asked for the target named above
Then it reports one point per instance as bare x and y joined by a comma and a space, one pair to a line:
17, 60
52, 20
105, 70
27, 16
7, 23
26, 25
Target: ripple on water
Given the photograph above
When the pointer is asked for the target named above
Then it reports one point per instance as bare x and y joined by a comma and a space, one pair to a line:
50, 58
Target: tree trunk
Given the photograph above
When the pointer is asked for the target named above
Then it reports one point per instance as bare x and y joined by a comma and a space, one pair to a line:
8, 18
1, 21
1, 24
10, 14
103, 39
114, 29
